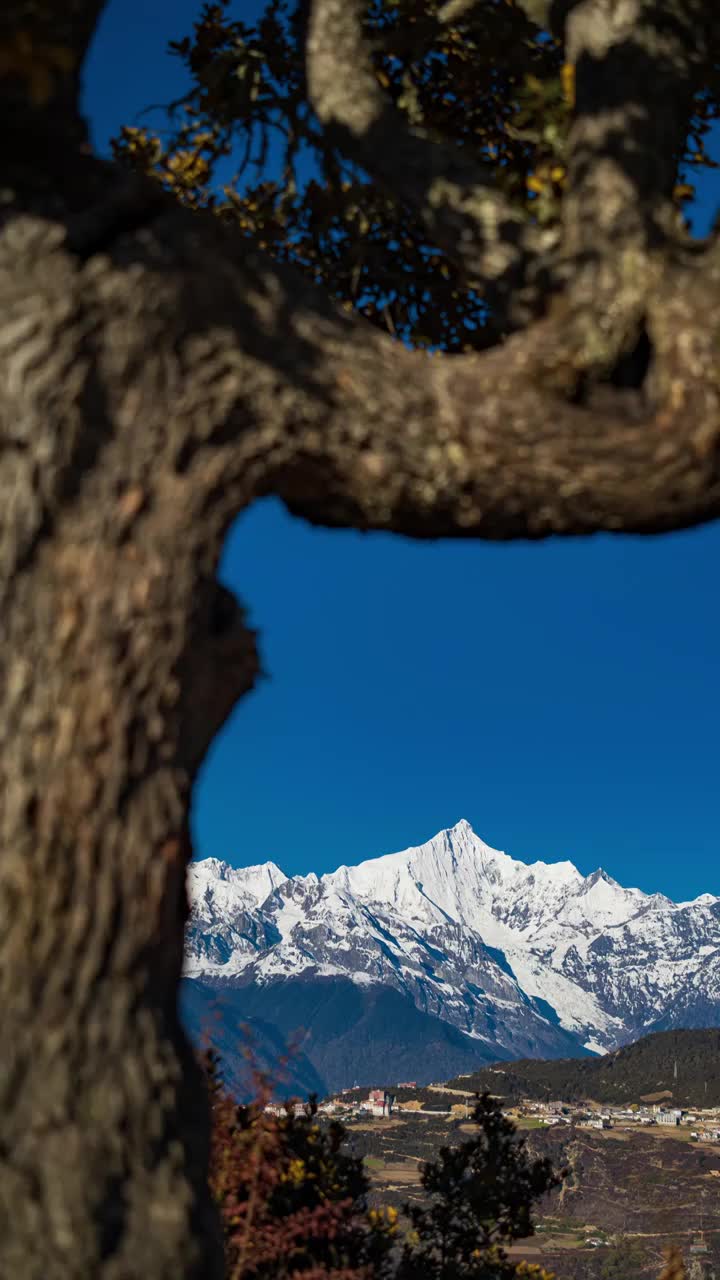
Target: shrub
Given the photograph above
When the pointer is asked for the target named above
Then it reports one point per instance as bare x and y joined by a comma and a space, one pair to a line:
294, 1204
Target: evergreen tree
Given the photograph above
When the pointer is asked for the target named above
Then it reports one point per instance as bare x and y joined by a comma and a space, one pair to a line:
481, 1196
628, 1260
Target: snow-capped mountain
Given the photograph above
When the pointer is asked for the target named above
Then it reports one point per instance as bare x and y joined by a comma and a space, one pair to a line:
521, 959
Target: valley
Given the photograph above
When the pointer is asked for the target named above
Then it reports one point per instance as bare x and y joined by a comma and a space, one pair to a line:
590, 1010
626, 1194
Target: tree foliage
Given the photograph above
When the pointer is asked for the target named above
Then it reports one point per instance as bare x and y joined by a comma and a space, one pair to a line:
246, 143
481, 1196
294, 1203
629, 1259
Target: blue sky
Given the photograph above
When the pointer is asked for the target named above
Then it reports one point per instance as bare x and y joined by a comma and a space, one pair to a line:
563, 697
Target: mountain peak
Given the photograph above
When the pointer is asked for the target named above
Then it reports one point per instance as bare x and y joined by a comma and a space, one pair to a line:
521, 956
255, 882
703, 900
463, 827
598, 875
210, 867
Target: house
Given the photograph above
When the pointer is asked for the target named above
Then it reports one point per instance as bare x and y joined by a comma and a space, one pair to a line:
669, 1117
379, 1102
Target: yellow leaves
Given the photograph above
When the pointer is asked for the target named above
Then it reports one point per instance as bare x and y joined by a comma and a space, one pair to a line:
683, 191
546, 178
38, 64
567, 80
384, 1219
382, 79
533, 1271
295, 1172
187, 168
144, 148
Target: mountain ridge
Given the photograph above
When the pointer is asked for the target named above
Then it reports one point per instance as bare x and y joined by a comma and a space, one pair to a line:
679, 1064
524, 959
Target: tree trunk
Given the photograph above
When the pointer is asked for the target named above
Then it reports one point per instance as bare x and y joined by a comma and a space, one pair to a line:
120, 658
104, 1127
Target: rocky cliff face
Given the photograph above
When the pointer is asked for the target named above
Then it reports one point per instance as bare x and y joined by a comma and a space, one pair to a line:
520, 959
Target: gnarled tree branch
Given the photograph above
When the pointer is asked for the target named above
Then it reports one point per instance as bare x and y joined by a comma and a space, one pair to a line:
636, 67
293, 397
466, 216
495, 445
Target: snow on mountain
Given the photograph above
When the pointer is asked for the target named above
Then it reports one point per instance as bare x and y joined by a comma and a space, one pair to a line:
530, 959
227, 923
251, 882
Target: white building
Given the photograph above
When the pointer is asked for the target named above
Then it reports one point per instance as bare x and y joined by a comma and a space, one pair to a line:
669, 1117
379, 1102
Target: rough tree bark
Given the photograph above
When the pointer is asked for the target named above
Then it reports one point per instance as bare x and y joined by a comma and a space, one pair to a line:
156, 378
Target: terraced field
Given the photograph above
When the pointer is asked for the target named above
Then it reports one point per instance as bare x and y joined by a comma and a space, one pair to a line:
631, 1192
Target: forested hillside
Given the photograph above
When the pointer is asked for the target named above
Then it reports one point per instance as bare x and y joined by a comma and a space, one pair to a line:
338, 1033
682, 1063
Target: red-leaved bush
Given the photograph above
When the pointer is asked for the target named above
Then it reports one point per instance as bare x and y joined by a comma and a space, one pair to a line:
293, 1204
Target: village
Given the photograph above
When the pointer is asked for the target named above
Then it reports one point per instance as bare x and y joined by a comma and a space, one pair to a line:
636, 1176
703, 1125
436, 1100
